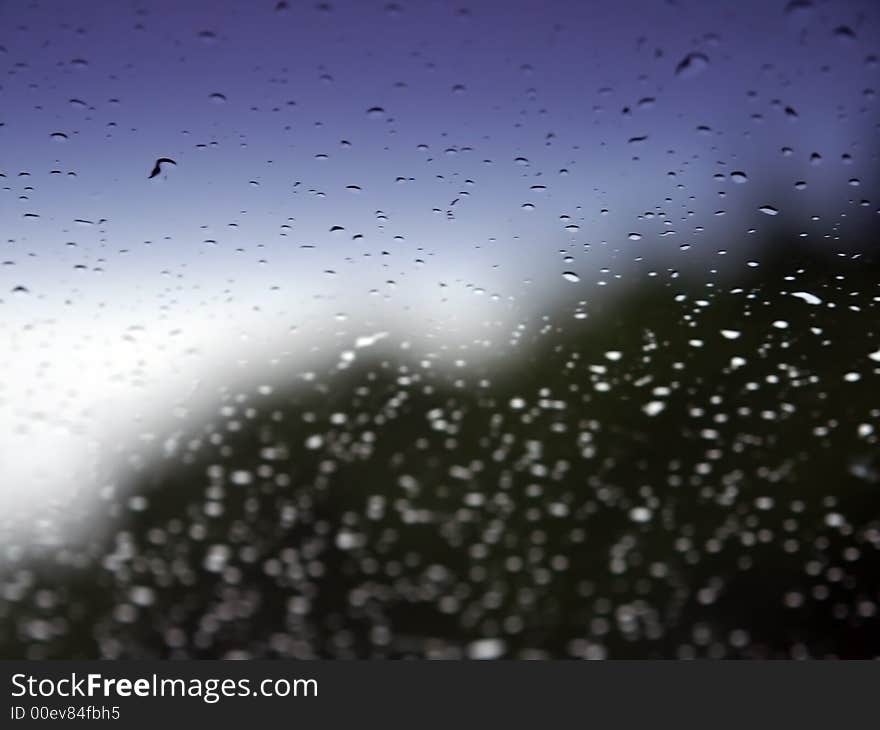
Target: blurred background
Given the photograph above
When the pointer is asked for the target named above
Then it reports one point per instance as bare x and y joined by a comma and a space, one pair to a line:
484, 330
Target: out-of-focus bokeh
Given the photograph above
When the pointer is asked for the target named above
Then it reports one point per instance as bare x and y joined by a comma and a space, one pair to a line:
367, 329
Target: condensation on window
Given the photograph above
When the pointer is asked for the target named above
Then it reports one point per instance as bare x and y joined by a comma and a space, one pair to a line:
419, 329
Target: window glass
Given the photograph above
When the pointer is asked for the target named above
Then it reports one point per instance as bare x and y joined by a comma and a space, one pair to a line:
498, 329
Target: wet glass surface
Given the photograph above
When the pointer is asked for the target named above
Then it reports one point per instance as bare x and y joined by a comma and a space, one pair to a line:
515, 330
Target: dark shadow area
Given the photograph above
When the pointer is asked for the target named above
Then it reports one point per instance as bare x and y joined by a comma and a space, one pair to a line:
670, 501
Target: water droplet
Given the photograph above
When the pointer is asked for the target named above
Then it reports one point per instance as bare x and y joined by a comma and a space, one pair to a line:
845, 33
218, 98
739, 177
768, 210
692, 65
571, 276
807, 297
486, 649
653, 407
800, 9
